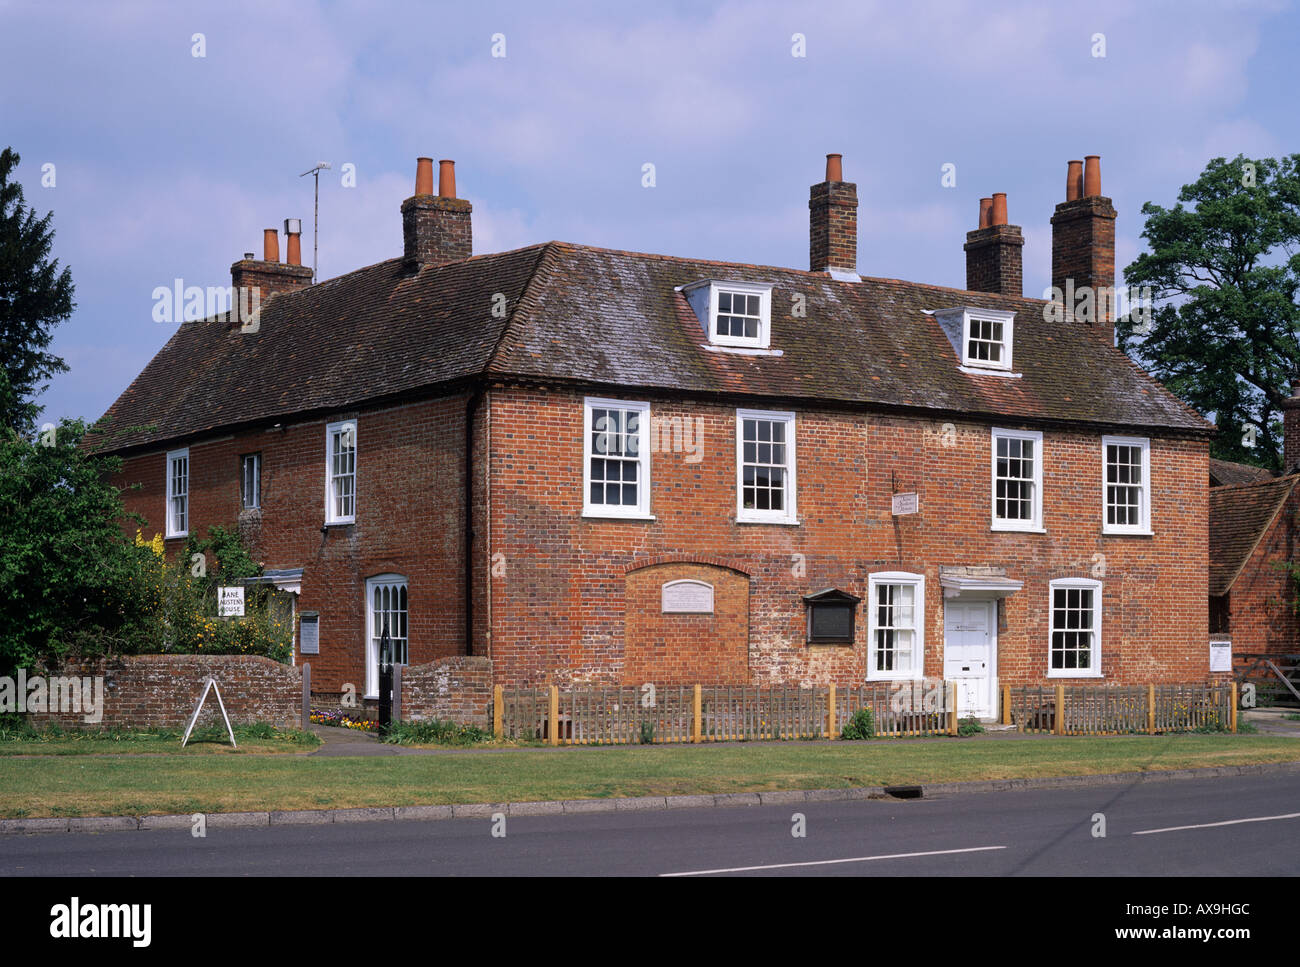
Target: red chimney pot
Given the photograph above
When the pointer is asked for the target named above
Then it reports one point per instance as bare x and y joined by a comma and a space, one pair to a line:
446, 179
424, 176
270, 245
834, 167
1074, 181
999, 212
986, 212
1091, 175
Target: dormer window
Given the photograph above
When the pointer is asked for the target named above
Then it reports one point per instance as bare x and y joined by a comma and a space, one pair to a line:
982, 337
733, 313
987, 343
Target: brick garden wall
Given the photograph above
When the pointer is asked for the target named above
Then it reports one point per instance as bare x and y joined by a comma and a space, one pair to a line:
160, 691
455, 689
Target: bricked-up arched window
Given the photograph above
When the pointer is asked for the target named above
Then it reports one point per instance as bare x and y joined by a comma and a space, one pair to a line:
385, 603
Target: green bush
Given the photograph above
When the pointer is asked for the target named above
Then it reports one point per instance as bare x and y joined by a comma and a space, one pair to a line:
969, 726
647, 732
435, 732
75, 586
861, 726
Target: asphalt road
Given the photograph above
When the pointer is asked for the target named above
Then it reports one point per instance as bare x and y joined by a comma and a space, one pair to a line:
1239, 826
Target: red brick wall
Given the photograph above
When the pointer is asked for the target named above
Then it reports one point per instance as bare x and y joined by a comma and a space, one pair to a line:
409, 521
452, 689
161, 691
1262, 601
559, 607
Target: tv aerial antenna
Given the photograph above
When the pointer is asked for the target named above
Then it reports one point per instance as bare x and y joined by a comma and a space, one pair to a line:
315, 211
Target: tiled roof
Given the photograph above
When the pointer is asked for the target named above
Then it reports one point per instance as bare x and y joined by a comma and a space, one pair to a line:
592, 315
1240, 516
1223, 472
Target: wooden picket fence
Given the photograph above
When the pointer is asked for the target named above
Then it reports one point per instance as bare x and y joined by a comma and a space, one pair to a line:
1119, 709
713, 713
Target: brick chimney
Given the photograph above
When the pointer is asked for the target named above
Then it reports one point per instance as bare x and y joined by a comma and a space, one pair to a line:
269, 275
993, 251
435, 228
833, 221
1291, 435
1083, 246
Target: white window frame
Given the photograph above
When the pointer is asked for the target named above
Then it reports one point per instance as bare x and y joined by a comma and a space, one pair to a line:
373, 633
330, 430
641, 510
169, 515
1007, 319
764, 292
1144, 507
1034, 525
917, 581
1094, 669
256, 482
789, 515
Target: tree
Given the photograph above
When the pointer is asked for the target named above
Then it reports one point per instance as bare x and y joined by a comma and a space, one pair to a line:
34, 298
70, 580
1224, 270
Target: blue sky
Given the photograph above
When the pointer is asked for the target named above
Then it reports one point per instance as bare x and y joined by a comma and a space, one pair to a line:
169, 165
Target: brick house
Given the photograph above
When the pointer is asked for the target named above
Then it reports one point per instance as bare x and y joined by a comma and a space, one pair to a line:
1253, 540
596, 466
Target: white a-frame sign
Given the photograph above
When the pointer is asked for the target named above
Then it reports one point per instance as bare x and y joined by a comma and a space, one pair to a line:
210, 685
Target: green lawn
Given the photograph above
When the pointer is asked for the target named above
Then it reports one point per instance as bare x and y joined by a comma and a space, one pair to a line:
208, 740
136, 785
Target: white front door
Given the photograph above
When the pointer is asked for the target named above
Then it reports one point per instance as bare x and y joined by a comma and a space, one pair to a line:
968, 654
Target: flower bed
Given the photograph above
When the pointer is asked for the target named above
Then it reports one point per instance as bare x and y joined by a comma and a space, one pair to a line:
340, 719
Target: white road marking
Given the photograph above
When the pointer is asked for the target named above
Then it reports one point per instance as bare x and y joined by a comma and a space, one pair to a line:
851, 859
1229, 822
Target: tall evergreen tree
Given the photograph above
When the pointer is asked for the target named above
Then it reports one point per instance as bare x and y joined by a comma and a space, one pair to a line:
1224, 268
35, 296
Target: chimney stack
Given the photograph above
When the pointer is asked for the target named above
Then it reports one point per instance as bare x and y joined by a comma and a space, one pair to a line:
1083, 248
1290, 435
994, 261
269, 275
833, 221
436, 229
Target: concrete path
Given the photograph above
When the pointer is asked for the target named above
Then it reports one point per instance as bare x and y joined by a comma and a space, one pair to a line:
342, 741
1273, 721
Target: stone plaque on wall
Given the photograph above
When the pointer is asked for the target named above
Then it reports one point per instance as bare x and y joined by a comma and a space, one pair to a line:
687, 597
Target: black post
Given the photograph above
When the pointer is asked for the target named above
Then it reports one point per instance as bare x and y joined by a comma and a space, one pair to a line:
385, 682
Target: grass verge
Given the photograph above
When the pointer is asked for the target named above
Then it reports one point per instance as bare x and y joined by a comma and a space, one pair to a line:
207, 740
66, 786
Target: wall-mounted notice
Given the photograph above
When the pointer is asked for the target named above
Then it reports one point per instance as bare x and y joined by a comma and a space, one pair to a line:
906, 504
1221, 656
230, 602
687, 597
309, 633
